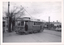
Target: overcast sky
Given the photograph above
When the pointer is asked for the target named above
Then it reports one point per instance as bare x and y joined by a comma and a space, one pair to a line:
39, 10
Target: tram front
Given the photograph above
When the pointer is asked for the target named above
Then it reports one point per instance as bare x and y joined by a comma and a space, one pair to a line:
20, 26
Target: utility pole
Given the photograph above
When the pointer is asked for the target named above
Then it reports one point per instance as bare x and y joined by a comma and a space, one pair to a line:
8, 7
8, 17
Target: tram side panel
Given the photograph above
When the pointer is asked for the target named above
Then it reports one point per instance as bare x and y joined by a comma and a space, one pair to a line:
30, 26
36, 28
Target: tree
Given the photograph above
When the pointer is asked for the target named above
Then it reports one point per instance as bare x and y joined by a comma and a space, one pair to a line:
12, 16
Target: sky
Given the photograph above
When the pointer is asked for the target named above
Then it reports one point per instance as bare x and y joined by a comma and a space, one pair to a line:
38, 10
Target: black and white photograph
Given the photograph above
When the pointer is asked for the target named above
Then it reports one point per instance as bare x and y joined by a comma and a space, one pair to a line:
32, 22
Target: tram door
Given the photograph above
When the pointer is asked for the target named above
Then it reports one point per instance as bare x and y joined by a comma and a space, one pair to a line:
30, 26
26, 26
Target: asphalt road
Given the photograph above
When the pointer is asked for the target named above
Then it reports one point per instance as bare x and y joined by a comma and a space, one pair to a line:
45, 36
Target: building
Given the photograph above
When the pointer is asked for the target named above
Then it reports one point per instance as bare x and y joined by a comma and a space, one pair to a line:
5, 24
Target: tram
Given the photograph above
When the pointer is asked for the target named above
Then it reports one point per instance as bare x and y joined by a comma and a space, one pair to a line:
24, 25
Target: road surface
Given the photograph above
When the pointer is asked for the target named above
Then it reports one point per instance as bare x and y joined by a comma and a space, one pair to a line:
45, 36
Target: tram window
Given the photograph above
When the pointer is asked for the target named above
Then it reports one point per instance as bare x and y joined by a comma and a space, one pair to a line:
22, 23
26, 21
36, 23
18, 24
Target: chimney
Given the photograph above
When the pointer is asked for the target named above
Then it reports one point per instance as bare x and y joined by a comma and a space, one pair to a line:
53, 21
49, 18
57, 20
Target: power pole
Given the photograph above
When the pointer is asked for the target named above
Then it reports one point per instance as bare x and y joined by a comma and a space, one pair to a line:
8, 8
9, 30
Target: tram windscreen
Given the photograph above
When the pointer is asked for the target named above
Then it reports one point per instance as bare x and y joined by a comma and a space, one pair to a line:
18, 23
22, 23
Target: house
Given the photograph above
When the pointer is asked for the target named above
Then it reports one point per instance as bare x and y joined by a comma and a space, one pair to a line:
5, 24
53, 25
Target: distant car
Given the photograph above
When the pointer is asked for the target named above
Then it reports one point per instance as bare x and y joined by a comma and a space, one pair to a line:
58, 29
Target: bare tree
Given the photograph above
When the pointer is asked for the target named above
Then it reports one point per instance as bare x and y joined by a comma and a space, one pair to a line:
12, 16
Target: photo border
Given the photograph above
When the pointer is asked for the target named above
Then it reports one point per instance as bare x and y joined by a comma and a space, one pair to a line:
44, 43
